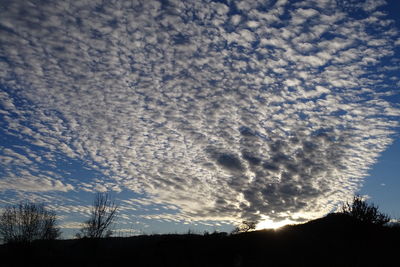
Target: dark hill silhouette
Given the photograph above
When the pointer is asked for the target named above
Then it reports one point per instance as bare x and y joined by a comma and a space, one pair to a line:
334, 240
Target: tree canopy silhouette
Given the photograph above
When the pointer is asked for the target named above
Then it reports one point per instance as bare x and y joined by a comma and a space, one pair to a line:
26, 222
244, 227
364, 211
102, 216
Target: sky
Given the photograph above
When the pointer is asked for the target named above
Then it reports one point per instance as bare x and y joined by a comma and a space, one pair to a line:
199, 114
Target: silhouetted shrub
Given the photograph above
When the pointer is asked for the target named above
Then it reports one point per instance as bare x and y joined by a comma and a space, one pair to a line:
244, 227
26, 222
102, 216
365, 212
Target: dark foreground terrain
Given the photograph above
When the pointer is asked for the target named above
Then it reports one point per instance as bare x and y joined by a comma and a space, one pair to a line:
335, 240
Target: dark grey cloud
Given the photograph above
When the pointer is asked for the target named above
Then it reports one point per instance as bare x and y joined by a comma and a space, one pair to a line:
230, 162
251, 158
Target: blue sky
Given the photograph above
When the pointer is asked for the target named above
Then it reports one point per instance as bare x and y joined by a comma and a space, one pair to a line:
199, 114
382, 185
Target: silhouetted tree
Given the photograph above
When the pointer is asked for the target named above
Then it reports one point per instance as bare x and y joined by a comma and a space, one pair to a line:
365, 212
102, 216
245, 226
26, 222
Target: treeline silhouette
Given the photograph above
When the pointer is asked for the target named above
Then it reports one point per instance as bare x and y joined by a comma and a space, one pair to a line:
26, 221
338, 239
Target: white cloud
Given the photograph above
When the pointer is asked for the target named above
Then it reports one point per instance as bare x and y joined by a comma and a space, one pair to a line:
235, 19
71, 225
32, 183
371, 5
292, 82
253, 24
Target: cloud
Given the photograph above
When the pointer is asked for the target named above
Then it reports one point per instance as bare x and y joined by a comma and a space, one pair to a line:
371, 5
33, 183
226, 112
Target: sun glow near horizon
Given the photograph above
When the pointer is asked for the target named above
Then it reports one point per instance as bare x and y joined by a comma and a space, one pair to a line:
270, 224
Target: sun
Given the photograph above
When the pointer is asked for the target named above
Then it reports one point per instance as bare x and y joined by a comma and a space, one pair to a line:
270, 224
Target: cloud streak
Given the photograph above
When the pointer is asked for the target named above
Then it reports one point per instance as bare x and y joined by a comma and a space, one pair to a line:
226, 111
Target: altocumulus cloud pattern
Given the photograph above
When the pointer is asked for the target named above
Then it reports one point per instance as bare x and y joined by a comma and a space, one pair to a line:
218, 110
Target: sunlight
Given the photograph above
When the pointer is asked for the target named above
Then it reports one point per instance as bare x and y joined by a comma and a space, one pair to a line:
269, 224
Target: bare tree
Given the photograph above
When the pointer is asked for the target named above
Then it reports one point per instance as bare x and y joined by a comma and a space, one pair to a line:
245, 226
365, 212
101, 218
26, 222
